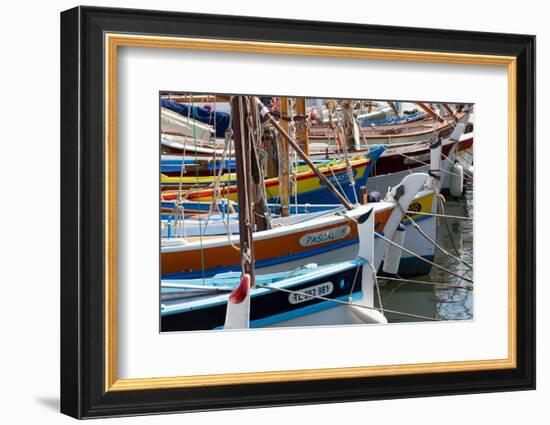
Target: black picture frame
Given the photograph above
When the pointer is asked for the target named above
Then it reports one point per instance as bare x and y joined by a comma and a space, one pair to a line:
83, 392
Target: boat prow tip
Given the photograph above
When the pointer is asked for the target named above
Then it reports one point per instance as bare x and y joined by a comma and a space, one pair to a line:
239, 294
237, 315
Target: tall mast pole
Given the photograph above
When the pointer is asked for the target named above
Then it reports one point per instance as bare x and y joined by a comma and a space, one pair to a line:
244, 193
284, 162
262, 219
302, 127
348, 124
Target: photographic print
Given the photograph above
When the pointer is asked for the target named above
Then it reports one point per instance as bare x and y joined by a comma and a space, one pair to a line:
292, 211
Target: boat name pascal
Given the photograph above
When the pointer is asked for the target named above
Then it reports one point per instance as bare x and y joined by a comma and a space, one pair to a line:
325, 236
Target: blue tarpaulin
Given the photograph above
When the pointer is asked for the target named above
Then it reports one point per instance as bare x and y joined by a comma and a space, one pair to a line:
204, 115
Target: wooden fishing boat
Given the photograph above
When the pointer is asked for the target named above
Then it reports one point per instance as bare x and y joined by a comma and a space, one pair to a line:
322, 239
176, 165
322, 138
228, 302
197, 304
310, 189
174, 182
189, 129
398, 161
168, 182
398, 158
221, 224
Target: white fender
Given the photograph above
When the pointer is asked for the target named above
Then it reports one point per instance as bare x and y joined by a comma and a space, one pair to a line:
393, 253
365, 227
446, 168
456, 180
435, 159
237, 315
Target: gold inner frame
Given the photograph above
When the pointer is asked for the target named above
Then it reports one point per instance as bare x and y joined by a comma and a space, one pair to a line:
113, 41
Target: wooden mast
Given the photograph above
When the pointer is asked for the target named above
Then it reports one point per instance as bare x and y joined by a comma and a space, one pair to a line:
348, 124
302, 126
260, 209
284, 162
270, 146
243, 160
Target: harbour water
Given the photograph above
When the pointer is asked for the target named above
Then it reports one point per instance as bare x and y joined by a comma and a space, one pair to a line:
439, 302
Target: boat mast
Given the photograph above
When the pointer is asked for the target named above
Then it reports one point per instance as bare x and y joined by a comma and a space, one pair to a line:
348, 123
302, 126
262, 215
240, 107
284, 161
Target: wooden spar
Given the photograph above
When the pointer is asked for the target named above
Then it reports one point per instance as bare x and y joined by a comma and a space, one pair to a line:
302, 127
267, 116
348, 123
284, 163
394, 108
270, 145
430, 111
244, 172
261, 217
258, 198
338, 137
450, 111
